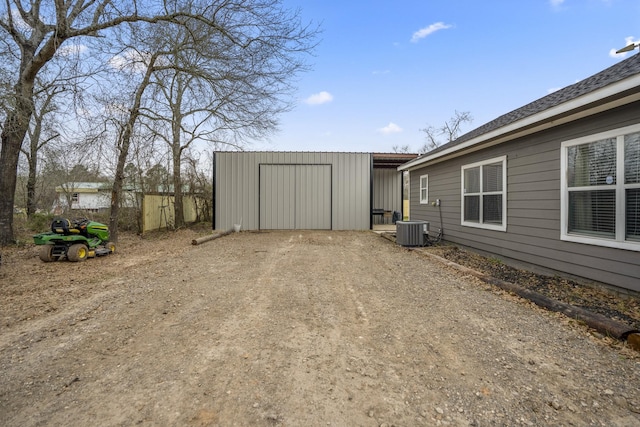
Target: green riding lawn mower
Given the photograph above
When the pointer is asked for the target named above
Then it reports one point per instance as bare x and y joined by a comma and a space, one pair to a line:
75, 240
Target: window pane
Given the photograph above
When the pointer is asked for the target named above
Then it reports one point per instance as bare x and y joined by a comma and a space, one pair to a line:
492, 209
472, 180
632, 158
492, 177
423, 194
633, 214
592, 164
472, 208
593, 213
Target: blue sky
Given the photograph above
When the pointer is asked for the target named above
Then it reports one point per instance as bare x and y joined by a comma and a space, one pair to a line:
384, 69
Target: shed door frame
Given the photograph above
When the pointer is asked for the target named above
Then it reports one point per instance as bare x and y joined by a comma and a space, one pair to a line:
293, 191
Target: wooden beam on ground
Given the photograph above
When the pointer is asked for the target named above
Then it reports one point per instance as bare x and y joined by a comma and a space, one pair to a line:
200, 240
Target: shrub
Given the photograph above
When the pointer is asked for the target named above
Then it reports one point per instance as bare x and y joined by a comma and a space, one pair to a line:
39, 222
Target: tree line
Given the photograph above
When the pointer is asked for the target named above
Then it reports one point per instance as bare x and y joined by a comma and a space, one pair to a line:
120, 90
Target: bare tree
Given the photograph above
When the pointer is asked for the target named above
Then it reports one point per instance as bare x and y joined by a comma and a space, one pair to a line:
209, 89
449, 131
401, 149
123, 145
198, 181
40, 133
33, 36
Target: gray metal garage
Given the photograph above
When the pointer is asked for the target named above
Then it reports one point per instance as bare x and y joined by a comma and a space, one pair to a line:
304, 190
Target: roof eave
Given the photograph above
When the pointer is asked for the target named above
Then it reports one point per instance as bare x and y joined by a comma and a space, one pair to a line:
614, 95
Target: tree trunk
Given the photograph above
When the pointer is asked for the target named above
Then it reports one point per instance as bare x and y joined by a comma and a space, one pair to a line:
8, 178
116, 190
176, 149
13, 133
31, 185
178, 203
32, 157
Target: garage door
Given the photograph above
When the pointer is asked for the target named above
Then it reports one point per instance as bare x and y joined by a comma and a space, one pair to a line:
295, 197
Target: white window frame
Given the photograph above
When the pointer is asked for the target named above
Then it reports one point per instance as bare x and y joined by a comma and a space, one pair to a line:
424, 200
619, 241
480, 224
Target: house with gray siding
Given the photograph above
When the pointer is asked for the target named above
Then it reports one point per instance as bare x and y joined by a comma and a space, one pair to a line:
305, 190
554, 185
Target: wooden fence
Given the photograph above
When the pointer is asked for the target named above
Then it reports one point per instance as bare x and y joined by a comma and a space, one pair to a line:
157, 211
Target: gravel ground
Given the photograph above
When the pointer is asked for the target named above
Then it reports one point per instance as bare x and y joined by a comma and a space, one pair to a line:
590, 296
292, 328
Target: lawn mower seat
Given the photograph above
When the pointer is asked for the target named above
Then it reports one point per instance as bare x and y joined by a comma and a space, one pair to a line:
63, 226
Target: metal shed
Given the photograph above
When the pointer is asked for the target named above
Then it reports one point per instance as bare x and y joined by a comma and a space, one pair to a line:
303, 190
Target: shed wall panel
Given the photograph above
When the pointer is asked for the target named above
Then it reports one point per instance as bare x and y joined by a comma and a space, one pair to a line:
313, 197
277, 197
387, 189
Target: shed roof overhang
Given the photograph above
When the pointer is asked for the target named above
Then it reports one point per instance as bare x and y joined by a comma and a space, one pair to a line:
617, 94
391, 160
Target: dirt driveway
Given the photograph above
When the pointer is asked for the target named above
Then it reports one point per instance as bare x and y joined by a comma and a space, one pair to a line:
295, 329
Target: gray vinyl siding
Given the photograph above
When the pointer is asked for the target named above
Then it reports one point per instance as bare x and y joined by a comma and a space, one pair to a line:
237, 188
387, 189
533, 205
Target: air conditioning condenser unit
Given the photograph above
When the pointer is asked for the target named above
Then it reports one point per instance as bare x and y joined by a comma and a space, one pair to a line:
412, 233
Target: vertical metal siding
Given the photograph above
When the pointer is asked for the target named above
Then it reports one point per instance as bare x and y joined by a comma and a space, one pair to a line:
351, 193
313, 197
238, 186
387, 189
295, 197
277, 196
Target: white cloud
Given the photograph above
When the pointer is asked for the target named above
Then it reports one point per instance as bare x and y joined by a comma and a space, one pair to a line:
556, 3
613, 54
627, 41
71, 49
119, 62
426, 31
319, 98
133, 61
390, 128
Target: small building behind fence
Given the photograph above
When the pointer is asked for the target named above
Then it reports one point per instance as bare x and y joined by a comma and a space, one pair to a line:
156, 209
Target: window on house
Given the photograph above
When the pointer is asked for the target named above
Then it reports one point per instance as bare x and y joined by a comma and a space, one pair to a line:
424, 189
74, 197
484, 200
601, 189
